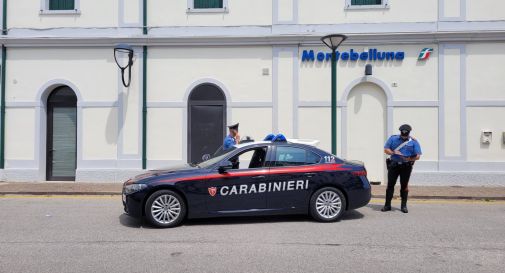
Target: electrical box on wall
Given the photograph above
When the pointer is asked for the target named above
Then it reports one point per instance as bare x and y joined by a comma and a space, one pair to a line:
486, 137
503, 138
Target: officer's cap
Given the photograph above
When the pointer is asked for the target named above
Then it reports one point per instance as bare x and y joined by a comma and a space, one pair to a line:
405, 128
233, 127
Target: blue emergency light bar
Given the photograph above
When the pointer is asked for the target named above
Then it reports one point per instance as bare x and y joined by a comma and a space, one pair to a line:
275, 138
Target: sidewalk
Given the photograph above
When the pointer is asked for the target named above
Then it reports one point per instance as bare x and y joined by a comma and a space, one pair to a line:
416, 192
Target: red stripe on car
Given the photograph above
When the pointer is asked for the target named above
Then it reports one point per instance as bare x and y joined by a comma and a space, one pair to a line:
281, 170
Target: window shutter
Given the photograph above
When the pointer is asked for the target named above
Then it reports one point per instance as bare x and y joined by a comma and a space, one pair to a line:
365, 2
61, 4
208, 4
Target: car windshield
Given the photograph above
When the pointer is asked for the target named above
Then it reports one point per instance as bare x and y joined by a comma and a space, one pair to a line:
216, 159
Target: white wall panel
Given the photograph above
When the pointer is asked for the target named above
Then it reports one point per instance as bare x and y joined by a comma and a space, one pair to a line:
452, 106
451, 8
315, 123
100, 131
254, 122
285, 89
20, 134
164, 134
485, 71
486, 118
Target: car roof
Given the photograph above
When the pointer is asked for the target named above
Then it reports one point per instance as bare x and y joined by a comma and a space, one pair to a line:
295, 144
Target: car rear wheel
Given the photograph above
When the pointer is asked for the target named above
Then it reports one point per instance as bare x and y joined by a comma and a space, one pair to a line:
165, 209
327, 204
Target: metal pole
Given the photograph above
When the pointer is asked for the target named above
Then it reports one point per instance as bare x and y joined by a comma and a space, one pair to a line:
334, 102
2, 99
2, 109
144, 90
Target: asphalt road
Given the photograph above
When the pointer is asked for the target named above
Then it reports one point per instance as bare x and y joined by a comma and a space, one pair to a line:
91, 234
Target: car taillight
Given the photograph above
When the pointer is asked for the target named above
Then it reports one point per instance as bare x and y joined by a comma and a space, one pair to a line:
359, 173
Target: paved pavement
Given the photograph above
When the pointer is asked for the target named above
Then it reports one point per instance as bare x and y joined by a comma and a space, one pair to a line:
419, 192
90, 234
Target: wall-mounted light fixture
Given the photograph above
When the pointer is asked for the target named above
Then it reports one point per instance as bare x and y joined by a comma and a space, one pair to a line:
123, 55
368, 70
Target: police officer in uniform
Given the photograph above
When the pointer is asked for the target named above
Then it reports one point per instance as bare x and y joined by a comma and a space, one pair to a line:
232, 138
404, 151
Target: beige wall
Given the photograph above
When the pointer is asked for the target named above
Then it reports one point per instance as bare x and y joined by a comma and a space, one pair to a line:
485, 118
94, 13
416, 80
485, 10
84, 67
243, 12
334, 12
173, 70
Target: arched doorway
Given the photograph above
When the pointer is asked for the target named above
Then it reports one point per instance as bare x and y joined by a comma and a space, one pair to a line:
367, 128
61, 146
206, 121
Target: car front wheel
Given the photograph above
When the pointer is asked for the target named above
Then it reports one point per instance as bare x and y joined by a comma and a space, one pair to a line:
165, 209
327, 204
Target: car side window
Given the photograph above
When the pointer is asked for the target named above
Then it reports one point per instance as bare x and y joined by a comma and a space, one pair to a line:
292, 156
250, 159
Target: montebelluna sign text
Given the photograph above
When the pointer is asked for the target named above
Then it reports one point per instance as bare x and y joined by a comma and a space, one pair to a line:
352, 55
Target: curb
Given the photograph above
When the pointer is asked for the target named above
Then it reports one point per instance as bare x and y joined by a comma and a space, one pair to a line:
59, 193
422, 197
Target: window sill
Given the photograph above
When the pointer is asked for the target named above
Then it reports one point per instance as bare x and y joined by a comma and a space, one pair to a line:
365, 7
60, 12
220, 10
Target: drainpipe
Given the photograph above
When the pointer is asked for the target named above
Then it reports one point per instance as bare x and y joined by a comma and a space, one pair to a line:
144, 91
2, 86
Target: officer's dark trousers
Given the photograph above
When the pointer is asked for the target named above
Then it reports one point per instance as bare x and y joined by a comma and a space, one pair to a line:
403, 171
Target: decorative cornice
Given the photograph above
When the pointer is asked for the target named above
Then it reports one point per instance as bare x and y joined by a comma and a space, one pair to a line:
359, 34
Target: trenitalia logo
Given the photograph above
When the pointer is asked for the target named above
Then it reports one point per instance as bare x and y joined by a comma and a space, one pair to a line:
370, 55
425, 54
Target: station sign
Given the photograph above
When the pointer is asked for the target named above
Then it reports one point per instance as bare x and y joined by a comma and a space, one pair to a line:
372, 54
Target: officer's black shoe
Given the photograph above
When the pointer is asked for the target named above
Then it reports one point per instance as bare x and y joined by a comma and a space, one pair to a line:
386, 208
405, 210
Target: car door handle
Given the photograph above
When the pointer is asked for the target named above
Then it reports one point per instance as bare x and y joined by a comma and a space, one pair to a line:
258, 177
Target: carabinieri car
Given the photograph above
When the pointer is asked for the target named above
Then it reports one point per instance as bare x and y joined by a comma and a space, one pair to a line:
257, 178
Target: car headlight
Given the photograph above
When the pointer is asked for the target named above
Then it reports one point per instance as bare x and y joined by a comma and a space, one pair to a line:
129, 189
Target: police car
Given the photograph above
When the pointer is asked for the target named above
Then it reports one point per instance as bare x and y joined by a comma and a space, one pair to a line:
270, 177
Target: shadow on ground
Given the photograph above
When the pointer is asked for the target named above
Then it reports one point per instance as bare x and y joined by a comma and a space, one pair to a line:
131, 222
377, 207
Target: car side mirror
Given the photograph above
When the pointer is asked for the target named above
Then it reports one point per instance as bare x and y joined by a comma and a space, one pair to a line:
225, 166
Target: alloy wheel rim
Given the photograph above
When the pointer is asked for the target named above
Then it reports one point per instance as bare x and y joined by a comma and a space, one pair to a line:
328, 204
166, 209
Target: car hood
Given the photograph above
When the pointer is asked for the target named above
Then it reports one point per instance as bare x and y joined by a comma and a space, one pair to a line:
178, 169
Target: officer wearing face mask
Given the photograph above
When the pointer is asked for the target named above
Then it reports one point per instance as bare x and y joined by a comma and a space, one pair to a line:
404, 150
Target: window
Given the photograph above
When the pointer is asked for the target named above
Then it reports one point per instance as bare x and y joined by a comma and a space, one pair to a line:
250, 159
291, 156
367, 4
61, 4
207, 6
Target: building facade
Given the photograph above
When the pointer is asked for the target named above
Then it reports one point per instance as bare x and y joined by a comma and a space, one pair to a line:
201, 64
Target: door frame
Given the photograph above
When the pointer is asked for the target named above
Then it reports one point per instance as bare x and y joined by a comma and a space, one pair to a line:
49, 135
